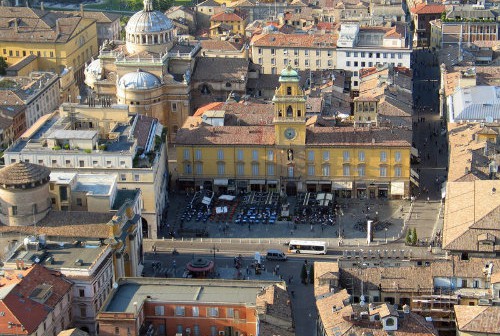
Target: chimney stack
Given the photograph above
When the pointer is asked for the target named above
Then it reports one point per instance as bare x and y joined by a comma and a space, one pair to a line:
58, 29
81, 10
42, 7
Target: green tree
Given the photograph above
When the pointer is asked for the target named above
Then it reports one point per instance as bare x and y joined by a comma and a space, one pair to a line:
303, 274
3, 65
311, 274
414, 237
408, 236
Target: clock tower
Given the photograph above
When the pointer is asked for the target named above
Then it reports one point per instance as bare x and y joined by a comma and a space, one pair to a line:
289, 110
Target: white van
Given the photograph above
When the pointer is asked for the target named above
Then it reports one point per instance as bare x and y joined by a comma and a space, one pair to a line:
275, 255
257, 259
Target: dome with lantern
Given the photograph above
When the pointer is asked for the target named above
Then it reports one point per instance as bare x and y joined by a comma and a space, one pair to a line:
148, 28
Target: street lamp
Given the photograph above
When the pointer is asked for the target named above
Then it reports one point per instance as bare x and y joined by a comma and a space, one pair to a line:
385, 234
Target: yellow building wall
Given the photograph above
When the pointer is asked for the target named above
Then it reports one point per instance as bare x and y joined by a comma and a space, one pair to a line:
372, 162
238, 27
78, 50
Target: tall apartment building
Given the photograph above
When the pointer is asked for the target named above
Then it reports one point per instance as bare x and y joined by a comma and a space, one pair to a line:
38, 92
59, 40
102, 140
364, 47
275, 51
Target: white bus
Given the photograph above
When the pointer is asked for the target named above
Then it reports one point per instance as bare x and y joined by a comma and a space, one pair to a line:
307, 246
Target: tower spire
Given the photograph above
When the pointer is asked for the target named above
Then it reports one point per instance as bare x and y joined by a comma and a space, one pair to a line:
148, 5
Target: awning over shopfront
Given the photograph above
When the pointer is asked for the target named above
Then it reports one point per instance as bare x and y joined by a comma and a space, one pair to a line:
360, 185
272, 182
186, 179
398, 188
325, 182
312, 182
221, 182
342, 185
257, 182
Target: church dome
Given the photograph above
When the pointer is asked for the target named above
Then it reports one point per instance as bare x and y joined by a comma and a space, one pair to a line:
148, 21
93, 71
139, 80
289, 75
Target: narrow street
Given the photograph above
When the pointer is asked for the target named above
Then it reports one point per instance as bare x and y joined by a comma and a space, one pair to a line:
429, 137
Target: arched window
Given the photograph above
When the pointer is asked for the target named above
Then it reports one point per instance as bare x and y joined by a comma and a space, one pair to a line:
156, 39
289, 90
389, 322
289, 111
144, 39
280, 114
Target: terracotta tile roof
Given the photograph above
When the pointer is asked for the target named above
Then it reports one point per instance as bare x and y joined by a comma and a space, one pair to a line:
471, 209
22, 63
423, 8
143, 128
469, 158
495, 278
398, 31
324, 271
9, 97
226, 16
73, 332
351, 136
212, 106
255, 127
16, 301
36, 25
336, 319
274, 303
296, 40
69, 224
226, 135
220, 45
100, 17
478, 319
219, 69
21, 173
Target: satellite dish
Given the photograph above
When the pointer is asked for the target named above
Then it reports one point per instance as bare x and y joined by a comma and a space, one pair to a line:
115, 285
37, 260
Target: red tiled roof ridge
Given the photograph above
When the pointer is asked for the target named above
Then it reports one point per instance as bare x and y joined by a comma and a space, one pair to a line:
424, 8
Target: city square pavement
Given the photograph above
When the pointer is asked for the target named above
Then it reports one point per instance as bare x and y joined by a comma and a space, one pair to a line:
353, 212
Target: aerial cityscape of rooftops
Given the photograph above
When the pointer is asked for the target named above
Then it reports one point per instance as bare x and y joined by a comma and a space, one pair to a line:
250, 168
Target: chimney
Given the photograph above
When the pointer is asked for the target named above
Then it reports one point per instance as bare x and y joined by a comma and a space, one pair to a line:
81, 10
58, 29
42, 7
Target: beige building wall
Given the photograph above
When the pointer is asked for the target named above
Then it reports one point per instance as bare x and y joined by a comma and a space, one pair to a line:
273, 59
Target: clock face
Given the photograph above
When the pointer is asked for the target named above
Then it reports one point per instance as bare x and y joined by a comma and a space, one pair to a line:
290, 133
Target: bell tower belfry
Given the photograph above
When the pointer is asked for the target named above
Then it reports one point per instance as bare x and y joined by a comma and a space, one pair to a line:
289, 110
